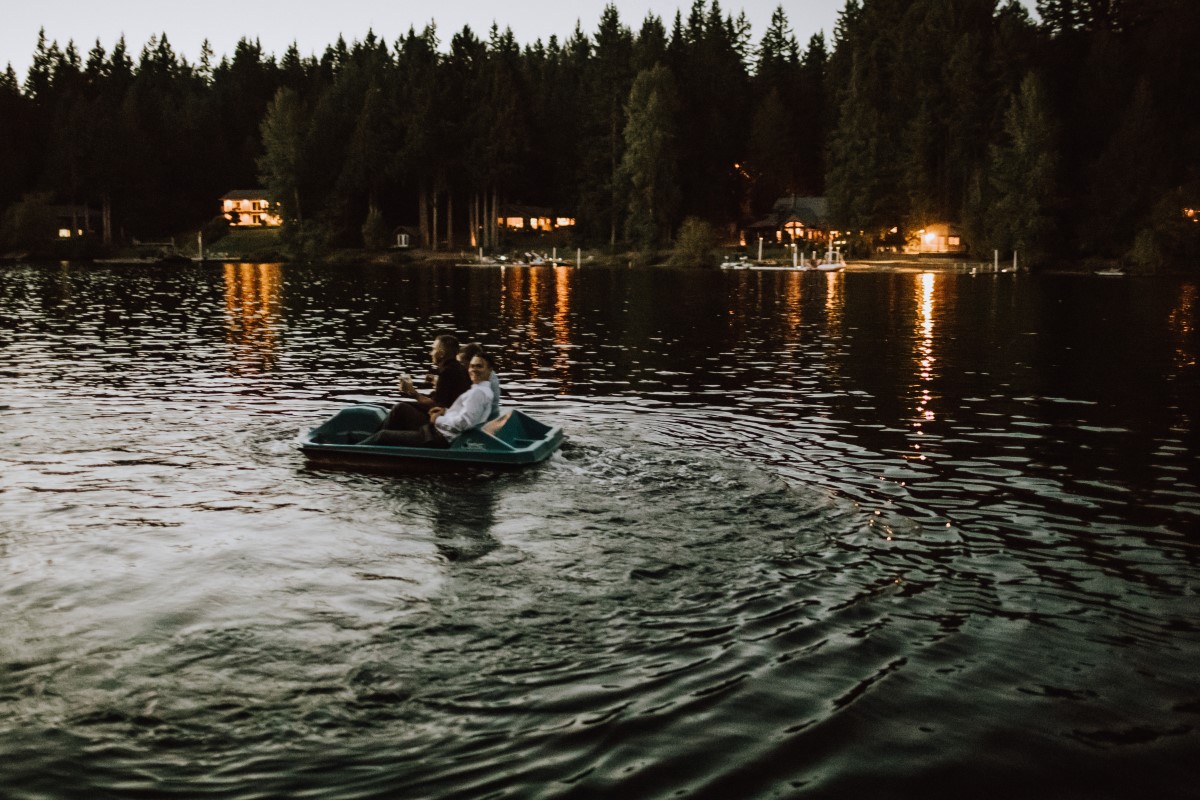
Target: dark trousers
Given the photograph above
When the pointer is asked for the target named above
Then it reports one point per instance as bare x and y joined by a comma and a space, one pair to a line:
407, 426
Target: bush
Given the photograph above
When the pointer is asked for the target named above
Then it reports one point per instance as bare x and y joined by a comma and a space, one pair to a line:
1170, 239
306, 241
374, 233
695, 246
215, 230
28, 223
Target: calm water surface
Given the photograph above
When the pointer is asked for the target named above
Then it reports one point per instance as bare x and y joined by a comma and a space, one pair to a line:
812, 535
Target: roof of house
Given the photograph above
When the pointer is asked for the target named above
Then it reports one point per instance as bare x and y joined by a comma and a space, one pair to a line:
811, 211
247, 194
517, 210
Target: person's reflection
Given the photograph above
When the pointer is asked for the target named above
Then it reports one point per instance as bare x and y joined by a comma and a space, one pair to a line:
463, 517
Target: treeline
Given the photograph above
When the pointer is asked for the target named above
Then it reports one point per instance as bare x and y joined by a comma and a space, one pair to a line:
1074, 137
371, 134
1071, 136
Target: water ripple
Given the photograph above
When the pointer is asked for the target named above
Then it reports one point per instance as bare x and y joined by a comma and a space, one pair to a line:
819, 535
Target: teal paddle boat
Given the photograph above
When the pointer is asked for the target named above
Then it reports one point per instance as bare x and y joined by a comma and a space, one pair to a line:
518, 441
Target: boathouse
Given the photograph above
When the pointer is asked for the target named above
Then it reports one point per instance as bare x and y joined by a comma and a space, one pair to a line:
938, 238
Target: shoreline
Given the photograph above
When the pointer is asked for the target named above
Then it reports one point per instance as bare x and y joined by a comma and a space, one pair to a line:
899, 264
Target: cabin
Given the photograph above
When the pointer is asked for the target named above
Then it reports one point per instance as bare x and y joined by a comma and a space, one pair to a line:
531, 219
938, 238
251, 208
73, 222
793, 219
404, 236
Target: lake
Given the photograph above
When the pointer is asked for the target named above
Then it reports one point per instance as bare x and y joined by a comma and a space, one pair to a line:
858, 534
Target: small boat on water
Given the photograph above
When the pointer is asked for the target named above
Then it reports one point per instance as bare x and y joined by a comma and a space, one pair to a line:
517, 441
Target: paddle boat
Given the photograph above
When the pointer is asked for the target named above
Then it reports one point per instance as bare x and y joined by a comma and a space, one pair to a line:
514, 440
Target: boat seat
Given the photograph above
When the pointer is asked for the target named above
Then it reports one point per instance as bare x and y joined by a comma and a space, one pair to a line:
351, 425
520, 430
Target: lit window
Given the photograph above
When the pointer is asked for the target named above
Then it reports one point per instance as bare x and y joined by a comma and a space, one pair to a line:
954, 241
565, 222
64, 233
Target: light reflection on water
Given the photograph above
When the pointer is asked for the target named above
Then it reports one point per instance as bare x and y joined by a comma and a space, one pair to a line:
825, 533
252, 310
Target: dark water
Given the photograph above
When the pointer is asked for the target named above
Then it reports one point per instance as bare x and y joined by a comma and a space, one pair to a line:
812, 535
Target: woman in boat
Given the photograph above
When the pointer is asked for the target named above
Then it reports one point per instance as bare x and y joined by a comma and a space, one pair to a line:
408, 427
465, 354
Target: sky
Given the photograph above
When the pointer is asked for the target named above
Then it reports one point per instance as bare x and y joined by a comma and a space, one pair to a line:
313, 24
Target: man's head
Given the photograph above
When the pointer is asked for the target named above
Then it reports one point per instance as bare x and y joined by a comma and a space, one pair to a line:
469, 351
480, 368
444, 346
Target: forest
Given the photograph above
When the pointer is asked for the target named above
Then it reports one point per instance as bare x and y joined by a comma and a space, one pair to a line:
1070, 136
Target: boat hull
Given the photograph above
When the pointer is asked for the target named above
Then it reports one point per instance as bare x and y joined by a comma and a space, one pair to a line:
518, 442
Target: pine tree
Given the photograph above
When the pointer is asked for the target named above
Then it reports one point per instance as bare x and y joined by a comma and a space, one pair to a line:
650, 163
1024, 176
280, 166
609, 80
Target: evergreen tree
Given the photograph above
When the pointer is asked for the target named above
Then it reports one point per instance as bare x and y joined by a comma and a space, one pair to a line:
649, 163
771, 154
1024, 176
607, 78
16, 139
650, 47
811, 121
281, 163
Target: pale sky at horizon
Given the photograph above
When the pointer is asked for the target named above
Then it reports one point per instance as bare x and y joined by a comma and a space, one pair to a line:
313, 25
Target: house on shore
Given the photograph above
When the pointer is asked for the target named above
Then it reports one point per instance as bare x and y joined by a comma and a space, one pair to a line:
531, 219
250, 208
792, 219
74, 221
938, 238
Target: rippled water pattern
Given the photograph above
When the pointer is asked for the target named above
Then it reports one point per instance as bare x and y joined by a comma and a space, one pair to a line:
811, 535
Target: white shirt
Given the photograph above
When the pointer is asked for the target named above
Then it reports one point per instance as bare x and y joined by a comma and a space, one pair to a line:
495, 384
469, 409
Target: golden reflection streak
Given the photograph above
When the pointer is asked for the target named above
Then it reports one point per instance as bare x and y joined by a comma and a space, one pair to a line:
834, 301
833, 356
1182, 325
562, 326
924, 287
793, 293
531, 317
512, 298
252, 308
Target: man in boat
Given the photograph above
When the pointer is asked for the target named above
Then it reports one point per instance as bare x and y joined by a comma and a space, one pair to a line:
449, 377
439, 426
465, 354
